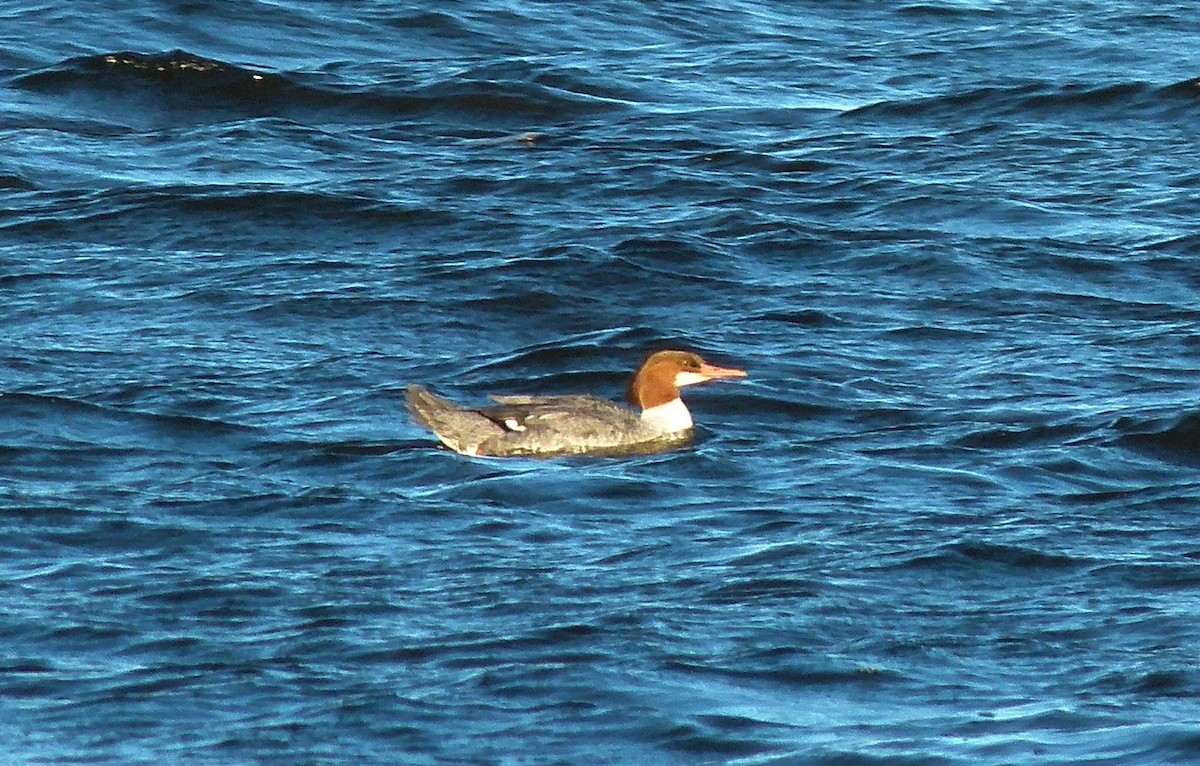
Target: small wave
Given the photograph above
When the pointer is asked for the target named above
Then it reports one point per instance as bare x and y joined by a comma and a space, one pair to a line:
1024, 98
177, 69
935, 333
11, 182
1176, 440
230, 208
1018, 437
939, 11
773, 555
185, 80
531, 301
1181, 576
715, 736
1159, 682
676, 258
792, 674
1183, 246
331, 305
83, 427
974, 553
755, 590
564, 642
502, 101
28, 278
801, 317
581, 352
1189, 88
175, 87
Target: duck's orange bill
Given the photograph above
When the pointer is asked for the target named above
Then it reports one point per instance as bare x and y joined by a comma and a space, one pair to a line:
713, 371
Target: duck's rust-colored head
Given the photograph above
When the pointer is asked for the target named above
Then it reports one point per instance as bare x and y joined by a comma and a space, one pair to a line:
663, 373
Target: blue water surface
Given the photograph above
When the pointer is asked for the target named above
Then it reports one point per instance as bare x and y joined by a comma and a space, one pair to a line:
952, 516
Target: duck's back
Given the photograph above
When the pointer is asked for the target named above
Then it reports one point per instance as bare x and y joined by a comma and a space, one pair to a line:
539, 425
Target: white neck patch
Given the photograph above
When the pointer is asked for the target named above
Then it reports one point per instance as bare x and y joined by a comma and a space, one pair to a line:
668, 418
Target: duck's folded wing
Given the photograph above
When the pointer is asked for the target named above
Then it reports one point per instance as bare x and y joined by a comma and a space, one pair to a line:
578, 413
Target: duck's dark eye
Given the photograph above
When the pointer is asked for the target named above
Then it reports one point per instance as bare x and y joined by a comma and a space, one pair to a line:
692, 364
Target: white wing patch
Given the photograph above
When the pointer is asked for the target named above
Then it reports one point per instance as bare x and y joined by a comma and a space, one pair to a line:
513, 424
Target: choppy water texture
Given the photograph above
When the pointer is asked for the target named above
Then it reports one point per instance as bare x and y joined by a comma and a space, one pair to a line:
951, 517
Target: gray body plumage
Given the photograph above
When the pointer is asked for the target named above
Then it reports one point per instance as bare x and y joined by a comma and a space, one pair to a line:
539, 425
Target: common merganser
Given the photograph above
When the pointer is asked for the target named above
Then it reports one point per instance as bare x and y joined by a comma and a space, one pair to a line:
575, 424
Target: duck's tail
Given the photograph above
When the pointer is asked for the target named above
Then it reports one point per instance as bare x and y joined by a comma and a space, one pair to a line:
460, 429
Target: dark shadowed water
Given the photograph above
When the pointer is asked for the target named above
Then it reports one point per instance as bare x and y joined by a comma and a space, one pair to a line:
953, 516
